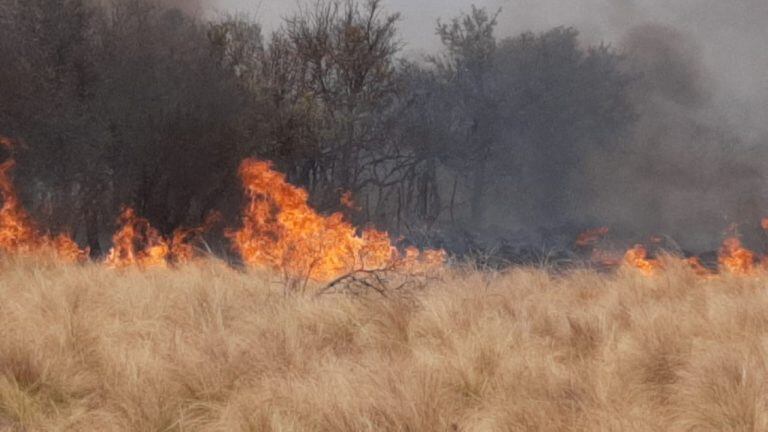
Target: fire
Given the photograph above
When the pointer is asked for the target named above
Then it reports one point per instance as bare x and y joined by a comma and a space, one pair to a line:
349, 202
591, 237
415, 261
606, 259
281, 231
18, 233
182, 249
698, 267
735, 258
637, 257
137, 243
588, 242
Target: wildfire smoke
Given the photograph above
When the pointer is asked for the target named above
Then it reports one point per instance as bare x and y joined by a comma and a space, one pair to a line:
279, 231
282, 232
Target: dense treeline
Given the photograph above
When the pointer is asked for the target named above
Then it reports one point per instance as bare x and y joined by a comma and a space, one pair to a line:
133, 103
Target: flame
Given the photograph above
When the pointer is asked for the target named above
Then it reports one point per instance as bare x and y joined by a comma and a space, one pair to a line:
637, 257
182, 249
137, 243
698, 267
18, 233
735, 258
281, 231
588, 242
591, 237
349, 202
606, 259
415, 261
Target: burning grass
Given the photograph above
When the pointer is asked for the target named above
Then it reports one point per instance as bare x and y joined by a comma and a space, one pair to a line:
204, 347
371, 340
18, 232
280, 231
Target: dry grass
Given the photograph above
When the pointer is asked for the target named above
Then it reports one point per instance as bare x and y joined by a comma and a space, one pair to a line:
212, 349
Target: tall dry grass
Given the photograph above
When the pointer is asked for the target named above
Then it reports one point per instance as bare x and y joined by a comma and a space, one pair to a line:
212, 349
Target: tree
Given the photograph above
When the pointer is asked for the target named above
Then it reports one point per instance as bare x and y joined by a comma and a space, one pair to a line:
528, 113
121, 104
563, 104
345, 55
136, 103
468, 70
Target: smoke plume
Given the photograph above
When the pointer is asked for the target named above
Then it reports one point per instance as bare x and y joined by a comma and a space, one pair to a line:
693, 162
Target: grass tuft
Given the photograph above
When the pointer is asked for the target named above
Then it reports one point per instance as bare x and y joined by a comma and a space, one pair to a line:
208, 348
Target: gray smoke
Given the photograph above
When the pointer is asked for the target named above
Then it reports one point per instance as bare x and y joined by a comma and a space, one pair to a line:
689, 170
694, 161
192, 7
729, 38
730, 35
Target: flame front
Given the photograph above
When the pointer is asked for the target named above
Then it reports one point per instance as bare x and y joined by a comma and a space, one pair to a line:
18, 234
281, 231
137, 243
348, 201
637, 257
591, 237
735, 258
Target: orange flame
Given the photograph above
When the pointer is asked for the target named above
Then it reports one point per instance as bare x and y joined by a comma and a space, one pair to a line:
605, 258
182, 249
137, 243
588, 242
18, 234
735, 258
349, 202
637, 257
591, 237
281, 231
698, 267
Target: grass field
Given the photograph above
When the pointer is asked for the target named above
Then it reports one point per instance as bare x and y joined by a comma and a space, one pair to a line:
208, 348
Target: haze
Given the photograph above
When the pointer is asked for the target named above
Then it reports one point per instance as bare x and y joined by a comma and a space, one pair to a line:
730, 34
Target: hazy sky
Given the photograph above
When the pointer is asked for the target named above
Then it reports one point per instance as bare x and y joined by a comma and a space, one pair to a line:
732, 34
